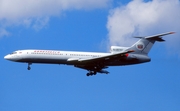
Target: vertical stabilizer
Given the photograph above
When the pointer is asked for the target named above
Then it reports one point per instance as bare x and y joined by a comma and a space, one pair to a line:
144, 45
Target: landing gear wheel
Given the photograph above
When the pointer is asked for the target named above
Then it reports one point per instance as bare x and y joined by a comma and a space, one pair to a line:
91, 73
87, 74
94, 73
29, 68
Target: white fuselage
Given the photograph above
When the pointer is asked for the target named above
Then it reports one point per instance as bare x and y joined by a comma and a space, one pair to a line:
71, 57
51, 56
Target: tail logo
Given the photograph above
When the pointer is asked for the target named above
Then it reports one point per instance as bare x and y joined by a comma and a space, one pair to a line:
140, 46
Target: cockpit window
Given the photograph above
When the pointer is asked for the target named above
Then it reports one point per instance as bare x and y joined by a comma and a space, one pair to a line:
14, 53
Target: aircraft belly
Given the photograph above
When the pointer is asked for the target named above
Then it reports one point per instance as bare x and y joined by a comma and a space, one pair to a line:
56, 59
129, 61
51, 61
43, 59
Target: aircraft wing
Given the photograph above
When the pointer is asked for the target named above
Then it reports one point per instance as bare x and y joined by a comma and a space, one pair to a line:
97, 64
105, 58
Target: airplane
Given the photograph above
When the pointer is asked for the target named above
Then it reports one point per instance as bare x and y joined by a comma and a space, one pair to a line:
93, 62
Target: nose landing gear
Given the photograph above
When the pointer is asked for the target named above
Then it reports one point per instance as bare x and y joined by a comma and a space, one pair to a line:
29, 66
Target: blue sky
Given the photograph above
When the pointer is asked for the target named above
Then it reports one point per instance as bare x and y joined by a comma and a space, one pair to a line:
89, 26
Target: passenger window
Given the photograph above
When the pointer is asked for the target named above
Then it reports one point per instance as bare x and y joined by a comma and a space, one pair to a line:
14, 53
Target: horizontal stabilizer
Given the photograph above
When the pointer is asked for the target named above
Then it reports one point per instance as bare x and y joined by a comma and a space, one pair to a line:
157, 37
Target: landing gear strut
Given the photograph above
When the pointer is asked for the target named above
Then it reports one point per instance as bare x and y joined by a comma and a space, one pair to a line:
29, 66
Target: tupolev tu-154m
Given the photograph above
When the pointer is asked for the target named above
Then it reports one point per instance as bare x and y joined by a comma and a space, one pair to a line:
93, 62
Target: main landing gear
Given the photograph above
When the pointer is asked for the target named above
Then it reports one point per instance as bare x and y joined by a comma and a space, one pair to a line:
29, 66
91, 73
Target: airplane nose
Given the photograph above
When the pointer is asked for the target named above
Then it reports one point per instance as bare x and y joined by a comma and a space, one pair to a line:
6, 57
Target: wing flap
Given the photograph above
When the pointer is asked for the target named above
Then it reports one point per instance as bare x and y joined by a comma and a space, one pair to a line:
73, 59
